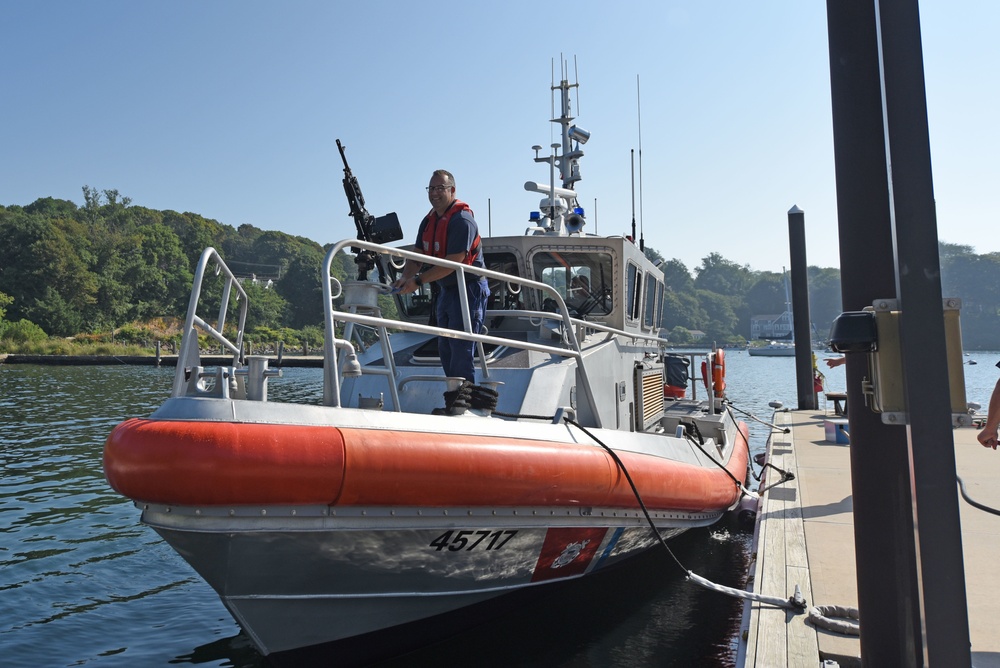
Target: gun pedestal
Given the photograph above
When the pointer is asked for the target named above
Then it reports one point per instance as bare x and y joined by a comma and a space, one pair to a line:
365, 260
361, 297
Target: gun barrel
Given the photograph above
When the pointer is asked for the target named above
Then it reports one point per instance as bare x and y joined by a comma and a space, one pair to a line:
343, 156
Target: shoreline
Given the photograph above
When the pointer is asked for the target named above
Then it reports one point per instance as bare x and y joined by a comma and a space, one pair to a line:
149, 360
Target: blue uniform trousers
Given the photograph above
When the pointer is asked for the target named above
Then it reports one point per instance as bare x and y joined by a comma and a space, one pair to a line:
456, 354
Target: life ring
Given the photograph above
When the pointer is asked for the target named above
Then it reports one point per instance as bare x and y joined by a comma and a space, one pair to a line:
719, 373
718, 383
836, 618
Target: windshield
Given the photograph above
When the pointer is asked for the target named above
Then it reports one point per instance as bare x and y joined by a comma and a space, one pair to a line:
584, 279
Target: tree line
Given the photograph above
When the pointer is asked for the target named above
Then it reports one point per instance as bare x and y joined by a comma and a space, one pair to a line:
113, 268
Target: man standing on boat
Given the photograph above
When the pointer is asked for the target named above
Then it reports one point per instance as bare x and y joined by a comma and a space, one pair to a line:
449, 231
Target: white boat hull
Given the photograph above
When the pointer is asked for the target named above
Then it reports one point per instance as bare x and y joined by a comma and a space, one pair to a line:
313, 579
772, 351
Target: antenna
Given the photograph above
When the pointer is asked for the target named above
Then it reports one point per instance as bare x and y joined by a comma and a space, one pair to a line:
638, 106
552, 94
489, 216
633, 195
576, 76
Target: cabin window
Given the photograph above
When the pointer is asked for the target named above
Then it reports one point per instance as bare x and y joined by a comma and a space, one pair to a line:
585, 280
649, 312
659, 304
634, 294
503, 295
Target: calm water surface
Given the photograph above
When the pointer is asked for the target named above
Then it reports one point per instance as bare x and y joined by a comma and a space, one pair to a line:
83, 583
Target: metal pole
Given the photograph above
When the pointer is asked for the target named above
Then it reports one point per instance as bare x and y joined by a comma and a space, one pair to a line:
801, 322
922, 339
888, 593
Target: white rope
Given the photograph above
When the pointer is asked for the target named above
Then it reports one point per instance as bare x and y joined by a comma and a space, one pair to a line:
795, 602
836, 618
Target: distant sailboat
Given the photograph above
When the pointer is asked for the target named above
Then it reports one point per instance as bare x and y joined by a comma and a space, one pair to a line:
773, 349
783, 348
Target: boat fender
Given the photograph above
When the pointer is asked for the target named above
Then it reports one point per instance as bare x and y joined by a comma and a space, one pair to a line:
837, 618
746, 511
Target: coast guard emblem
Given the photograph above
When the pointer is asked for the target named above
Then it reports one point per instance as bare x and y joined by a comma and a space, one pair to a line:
567, 551
571, 552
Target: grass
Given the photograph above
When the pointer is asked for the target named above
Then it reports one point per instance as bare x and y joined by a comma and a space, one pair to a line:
66, 347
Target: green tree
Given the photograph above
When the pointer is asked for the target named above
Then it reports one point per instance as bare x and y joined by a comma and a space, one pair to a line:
676, 276
825, 300
196, 233
49, 207
55, 313
44, 267
156, 272
5, 301
722, 319
975, 279
680, 335
302, 289
767, 295
266, 308
723, 277
682, 309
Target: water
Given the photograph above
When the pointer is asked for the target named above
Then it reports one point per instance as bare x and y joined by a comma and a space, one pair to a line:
83, 583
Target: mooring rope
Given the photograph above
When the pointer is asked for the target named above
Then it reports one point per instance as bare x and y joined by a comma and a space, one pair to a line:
785, 475
729, 406
795, 602
836, 618
739, 484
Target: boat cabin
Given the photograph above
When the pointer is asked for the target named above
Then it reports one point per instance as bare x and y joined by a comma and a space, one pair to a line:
584, 270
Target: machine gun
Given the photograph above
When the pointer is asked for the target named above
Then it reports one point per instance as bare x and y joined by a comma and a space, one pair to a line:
379, 230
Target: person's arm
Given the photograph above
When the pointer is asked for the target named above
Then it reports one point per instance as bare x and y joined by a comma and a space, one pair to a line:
405, 283
835, 361
411, 281
988, 436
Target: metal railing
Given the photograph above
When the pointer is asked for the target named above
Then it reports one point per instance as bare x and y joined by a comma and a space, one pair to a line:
189, 355
571, 326
572, 331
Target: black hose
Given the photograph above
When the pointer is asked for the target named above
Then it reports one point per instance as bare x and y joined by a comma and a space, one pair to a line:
974, 504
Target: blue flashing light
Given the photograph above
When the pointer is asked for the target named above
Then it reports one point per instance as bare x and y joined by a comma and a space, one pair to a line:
578, 210
535, 215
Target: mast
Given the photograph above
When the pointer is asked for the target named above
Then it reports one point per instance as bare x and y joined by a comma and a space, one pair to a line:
562, 210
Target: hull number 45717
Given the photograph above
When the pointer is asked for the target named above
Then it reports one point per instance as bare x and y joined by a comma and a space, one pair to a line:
470, 540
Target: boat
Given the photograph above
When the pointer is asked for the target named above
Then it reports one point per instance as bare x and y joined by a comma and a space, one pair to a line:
773, 349
354, 517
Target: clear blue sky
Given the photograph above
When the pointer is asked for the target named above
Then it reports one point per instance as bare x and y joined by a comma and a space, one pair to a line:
231, 110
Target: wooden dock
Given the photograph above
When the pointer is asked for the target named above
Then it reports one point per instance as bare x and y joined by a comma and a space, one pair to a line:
805, 537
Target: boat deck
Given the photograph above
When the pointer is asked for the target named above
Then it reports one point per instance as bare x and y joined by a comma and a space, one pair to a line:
806, 537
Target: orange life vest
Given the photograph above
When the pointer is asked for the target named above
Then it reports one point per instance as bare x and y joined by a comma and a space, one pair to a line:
434, 241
